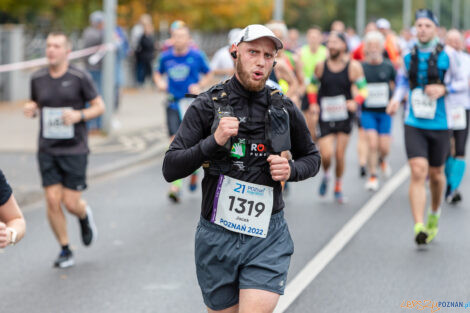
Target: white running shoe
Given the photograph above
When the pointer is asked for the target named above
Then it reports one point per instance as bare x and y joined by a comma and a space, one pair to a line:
386, 169
372, 184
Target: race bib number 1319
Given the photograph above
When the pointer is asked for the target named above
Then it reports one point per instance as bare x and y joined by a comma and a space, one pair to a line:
243, 207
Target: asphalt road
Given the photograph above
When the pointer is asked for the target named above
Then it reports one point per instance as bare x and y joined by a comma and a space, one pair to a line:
143, 260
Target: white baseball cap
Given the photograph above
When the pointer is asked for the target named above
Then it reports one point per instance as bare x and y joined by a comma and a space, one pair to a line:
383, 24
256, 31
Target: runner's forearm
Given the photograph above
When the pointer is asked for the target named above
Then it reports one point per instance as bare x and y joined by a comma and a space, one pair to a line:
180, 162
191, 146
96, 109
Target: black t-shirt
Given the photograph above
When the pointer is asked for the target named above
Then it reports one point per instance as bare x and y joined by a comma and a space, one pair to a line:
5, 189
378, 79
71, 90
194, 144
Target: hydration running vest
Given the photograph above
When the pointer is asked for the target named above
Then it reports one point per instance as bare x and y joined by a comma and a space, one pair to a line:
433, 72
275, 122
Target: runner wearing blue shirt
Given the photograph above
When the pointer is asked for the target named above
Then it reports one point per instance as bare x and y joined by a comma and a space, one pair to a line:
427, 76
183, 67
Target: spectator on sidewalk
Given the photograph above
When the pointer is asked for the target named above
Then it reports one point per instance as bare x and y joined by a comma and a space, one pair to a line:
12, 224
122, 49
145, 53
136, 32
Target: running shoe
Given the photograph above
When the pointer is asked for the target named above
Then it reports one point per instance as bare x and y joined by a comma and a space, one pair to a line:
432, 226
386, 169
372, 184
454, 197
420, 234
323, 186
174, 195
193, 183
362, 171
65, 259
88, 228
339, 197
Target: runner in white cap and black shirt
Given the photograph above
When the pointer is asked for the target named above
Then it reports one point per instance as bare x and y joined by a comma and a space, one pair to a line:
237, 131
59, 93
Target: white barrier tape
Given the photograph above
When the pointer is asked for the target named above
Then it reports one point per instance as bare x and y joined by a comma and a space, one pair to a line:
99, 51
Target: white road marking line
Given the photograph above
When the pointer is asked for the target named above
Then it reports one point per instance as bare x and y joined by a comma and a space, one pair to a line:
337, 243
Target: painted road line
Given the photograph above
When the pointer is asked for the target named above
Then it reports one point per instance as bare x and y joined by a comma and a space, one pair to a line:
337, 243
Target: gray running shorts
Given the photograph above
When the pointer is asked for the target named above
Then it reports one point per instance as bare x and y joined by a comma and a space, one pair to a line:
227, 261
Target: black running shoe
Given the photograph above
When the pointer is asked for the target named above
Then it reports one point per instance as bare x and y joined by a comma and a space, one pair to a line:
362, 172
421, 234
456, 198
65, 259
88, 228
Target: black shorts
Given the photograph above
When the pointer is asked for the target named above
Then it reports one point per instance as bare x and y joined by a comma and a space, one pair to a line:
173, 120
460, 138
434, 145
67, 170
327, 128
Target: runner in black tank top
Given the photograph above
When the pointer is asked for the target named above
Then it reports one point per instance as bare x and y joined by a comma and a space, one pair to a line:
333, 84
336, 76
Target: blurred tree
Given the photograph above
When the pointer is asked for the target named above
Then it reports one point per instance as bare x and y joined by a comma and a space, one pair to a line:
210, 15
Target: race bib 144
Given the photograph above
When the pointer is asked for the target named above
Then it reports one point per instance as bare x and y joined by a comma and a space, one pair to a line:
53, 126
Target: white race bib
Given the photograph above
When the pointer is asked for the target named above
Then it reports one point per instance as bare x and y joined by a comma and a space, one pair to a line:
334, 109
459, 118
378, 95
53, 126
243, 207
423, 106
184, 105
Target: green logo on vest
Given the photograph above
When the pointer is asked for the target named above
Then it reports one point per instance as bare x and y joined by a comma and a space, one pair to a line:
238, 149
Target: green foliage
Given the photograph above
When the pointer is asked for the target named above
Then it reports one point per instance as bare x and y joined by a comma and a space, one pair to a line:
210, 15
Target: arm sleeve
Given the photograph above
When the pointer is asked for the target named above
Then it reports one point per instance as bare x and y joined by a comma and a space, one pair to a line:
455, 79
5, 189
312, 89
362, 92
402, 85
193, 143
306, 157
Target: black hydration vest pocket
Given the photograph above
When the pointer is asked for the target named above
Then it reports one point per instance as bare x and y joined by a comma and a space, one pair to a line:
277, 130
220, 112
